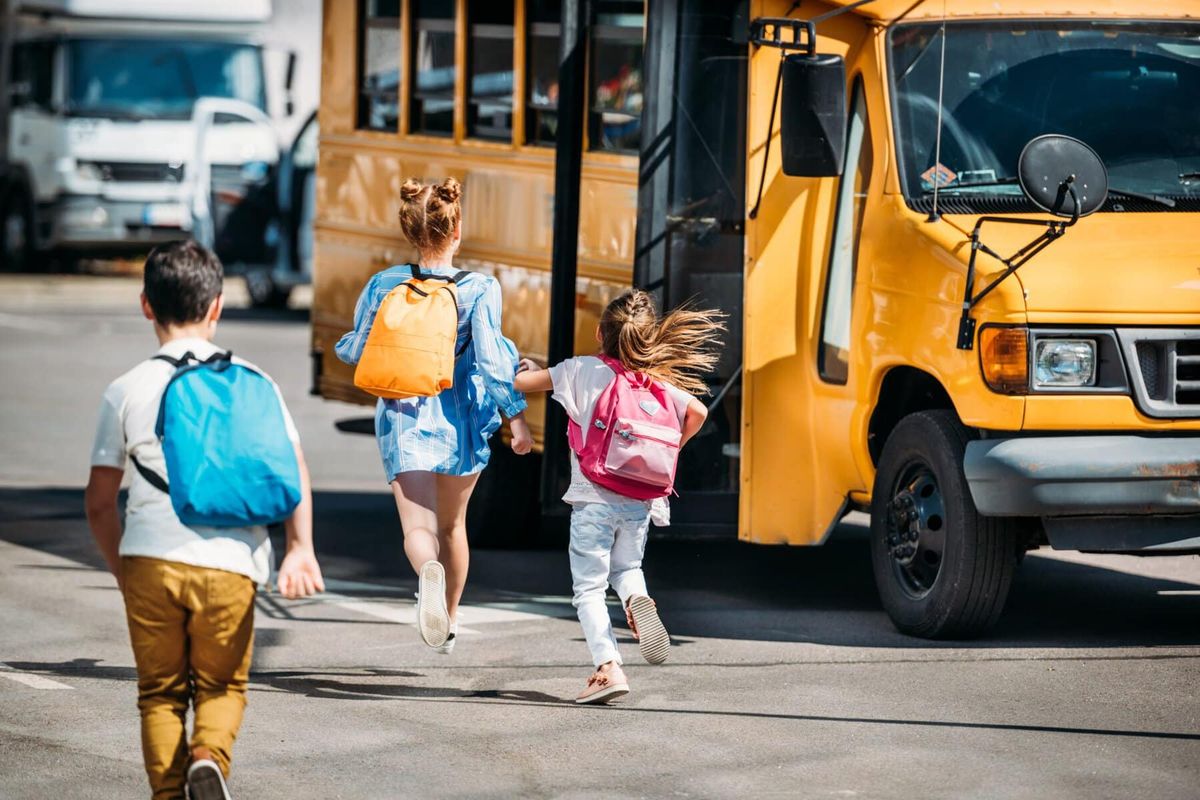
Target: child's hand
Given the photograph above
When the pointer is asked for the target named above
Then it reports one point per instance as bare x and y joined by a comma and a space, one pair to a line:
522, 439
527, 365
300, 574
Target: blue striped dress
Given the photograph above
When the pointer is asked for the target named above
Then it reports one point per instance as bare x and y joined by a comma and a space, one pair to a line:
448, 433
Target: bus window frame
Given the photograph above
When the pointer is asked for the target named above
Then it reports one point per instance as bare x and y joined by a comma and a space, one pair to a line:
360, 59
858, 94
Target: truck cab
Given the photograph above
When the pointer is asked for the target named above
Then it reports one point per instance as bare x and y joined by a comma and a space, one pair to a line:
102, 141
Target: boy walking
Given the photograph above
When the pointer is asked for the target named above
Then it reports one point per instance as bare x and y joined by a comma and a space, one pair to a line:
188, 589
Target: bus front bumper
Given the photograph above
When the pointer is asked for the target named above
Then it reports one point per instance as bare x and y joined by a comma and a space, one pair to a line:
1111, 493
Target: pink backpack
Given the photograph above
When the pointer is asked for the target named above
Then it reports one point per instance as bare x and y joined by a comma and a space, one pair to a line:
632, 444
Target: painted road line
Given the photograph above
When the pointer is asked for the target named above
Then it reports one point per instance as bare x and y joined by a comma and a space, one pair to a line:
30, 680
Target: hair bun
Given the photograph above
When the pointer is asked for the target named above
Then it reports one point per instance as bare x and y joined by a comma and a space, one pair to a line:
411, 190
449, 191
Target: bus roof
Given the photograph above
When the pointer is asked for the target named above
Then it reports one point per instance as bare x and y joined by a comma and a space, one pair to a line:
178, 10
889, 11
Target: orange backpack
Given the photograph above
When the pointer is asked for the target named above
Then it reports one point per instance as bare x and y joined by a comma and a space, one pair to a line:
410, 349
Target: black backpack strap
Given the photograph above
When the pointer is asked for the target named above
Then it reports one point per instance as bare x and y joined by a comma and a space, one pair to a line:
416, 272
174, 362
152, 477
460, 276
465, 345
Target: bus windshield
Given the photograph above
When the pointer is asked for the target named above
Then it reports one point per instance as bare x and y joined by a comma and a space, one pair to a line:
144, 79
1128, 89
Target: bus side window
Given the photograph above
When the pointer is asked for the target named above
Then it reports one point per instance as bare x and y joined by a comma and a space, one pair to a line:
379, 65
432, 70
615, 121
490, 70
833, 357
541, 92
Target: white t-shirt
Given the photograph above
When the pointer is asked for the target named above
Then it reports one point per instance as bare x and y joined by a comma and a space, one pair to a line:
128, 414
578, 384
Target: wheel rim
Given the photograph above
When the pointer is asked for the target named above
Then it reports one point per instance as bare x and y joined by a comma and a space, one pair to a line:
916, 530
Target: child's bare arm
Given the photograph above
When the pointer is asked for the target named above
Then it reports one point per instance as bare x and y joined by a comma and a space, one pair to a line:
532, 378
300, 574
100, 501
693, 420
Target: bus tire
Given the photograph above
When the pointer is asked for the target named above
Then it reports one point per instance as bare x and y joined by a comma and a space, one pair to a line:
504, 512
16, 231
942, 570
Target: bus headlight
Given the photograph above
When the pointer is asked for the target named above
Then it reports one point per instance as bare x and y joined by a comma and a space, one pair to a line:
1064, 362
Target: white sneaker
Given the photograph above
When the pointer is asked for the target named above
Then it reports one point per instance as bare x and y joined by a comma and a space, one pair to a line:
433, 620
447, 647
205, 781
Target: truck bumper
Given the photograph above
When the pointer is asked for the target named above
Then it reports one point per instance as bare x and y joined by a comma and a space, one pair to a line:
80, 221
1093, 492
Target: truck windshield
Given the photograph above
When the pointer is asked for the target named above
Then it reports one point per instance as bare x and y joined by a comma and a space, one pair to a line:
144, 79
1128, 89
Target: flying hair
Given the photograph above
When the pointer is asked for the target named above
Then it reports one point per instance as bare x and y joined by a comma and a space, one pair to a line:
430, 214
680, 348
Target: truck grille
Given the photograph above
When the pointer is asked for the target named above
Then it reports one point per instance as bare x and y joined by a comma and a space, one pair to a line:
1167, 378
138, 172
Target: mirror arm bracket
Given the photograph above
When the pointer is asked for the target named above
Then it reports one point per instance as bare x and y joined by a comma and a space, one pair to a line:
1054, 230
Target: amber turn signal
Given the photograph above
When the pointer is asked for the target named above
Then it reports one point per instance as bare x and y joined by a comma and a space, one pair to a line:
1004, 358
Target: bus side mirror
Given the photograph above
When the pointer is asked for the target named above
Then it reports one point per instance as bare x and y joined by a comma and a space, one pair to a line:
812, 129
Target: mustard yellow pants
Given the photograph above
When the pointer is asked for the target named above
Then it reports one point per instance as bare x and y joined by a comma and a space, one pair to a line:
192, 631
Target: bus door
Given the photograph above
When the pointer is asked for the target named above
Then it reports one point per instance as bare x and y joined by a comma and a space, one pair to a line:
691, 212
802, 257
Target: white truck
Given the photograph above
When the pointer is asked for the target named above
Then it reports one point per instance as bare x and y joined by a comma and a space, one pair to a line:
120, 111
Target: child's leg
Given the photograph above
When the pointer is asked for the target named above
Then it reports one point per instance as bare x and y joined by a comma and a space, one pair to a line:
158, 631
220, 638
591, 543
416, 500
629, 546
453, 493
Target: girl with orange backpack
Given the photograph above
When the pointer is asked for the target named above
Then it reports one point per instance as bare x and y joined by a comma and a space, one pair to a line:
427, 342
630, 410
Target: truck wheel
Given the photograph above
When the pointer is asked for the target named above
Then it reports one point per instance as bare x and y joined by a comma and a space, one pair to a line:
16, 232
942, 570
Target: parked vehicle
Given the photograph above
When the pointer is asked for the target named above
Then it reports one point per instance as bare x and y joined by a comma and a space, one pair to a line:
101, 152
979, 387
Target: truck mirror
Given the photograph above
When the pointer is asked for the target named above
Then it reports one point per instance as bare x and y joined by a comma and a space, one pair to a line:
1062, 175
812, 128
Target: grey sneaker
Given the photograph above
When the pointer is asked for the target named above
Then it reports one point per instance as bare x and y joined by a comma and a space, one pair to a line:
205, 781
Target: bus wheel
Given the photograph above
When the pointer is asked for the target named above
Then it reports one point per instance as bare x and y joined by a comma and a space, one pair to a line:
942, 570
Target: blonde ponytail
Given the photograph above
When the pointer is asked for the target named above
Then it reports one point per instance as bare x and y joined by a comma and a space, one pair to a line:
679, 348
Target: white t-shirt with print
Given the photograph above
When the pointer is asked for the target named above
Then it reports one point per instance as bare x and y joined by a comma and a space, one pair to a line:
128, 414
578, 384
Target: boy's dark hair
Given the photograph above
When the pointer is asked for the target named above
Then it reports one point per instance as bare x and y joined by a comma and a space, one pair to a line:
181, 280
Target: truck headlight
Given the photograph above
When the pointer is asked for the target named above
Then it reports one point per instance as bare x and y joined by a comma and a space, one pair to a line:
87, 171
1064, 362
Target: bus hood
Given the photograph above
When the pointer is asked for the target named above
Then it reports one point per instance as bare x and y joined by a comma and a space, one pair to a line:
1107, 266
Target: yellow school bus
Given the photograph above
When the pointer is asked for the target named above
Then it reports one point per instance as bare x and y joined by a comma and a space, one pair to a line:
956, 243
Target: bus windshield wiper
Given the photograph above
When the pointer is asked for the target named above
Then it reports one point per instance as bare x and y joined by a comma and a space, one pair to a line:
954, 186
1113, 191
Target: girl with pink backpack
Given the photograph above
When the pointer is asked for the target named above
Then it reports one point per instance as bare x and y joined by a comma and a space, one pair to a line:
630, 411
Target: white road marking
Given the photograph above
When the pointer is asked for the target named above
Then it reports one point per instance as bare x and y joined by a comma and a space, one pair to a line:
33, 681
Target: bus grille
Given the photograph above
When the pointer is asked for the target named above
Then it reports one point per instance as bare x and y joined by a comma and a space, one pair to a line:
1167, 379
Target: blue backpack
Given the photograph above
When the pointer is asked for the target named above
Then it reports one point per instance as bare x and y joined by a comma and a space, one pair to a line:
230, 463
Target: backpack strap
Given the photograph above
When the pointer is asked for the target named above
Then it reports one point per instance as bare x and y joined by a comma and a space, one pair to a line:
461, 276
152, 477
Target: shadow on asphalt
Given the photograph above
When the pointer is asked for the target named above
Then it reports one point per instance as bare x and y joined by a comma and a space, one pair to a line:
710, 589
297, 315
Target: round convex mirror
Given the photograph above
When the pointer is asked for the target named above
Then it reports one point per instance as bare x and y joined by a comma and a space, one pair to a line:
1051, 164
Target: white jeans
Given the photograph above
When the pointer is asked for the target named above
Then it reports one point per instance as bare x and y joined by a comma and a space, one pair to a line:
607, 543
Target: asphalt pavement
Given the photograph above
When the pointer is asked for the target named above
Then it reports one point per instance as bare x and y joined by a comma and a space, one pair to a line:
786, 679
